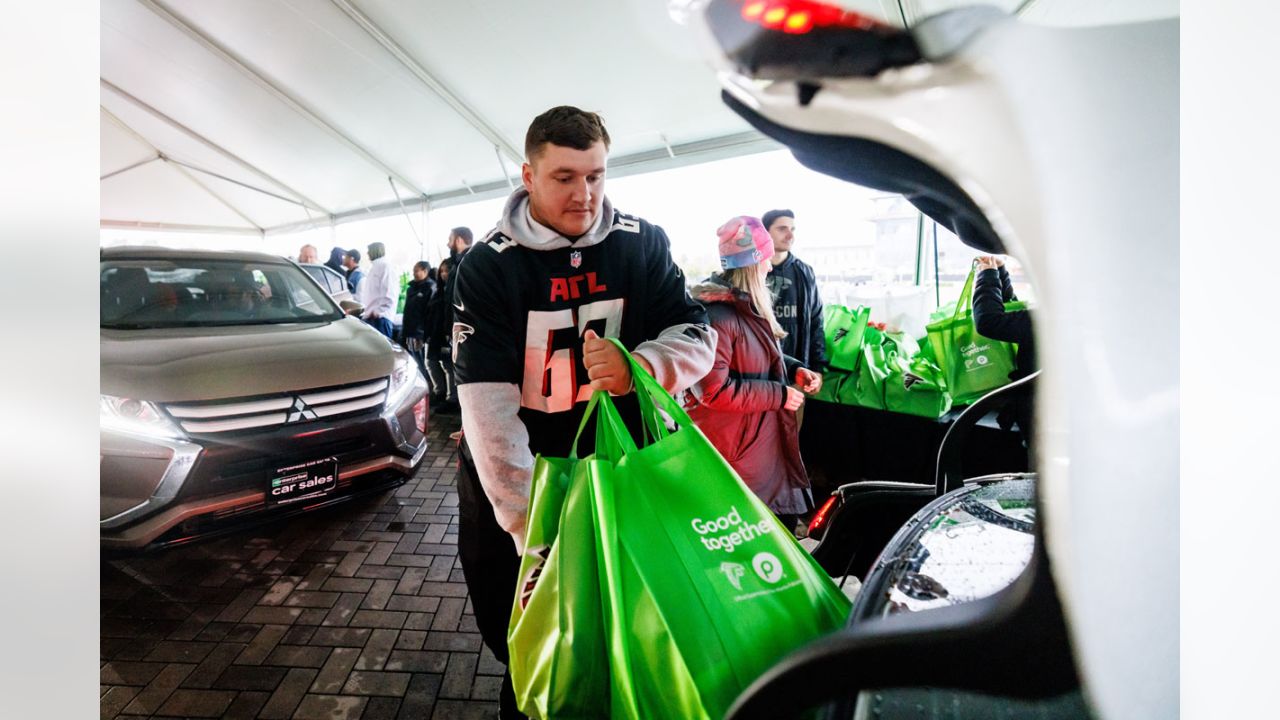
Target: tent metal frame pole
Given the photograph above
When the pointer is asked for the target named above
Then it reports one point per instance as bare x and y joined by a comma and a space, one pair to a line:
161, 156
154, 112
474, 118
718, 148
233, 181
214, 194
243, 66
511, 185
127, 168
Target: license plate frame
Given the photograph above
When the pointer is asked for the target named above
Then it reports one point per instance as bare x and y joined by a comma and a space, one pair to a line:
309, 480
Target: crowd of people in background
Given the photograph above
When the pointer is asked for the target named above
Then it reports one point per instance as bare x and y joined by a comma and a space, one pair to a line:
427, 314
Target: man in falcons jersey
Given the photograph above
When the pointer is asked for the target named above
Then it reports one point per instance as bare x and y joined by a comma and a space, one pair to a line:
533, 303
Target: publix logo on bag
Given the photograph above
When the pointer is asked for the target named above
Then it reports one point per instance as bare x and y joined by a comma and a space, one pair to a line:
766, 566
971, 357
728, 531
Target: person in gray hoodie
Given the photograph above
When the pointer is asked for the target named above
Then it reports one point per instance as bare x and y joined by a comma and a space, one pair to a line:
533, 303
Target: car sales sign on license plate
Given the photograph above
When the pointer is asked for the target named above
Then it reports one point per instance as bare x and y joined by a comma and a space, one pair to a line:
304, 481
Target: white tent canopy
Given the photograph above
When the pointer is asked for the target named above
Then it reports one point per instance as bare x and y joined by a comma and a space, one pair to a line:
276, 116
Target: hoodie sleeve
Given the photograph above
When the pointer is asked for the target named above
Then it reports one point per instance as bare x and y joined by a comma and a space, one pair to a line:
499, 444
683, 344
487, 367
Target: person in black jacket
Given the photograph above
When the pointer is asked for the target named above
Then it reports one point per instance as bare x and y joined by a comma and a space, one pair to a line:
337, 256
417, 298
795, 295
991, 290
439, 326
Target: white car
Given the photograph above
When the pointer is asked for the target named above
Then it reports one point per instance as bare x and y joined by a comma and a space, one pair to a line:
1059, 147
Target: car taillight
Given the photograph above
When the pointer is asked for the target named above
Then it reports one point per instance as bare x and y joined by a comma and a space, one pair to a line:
420, 414
801, 16
818, 525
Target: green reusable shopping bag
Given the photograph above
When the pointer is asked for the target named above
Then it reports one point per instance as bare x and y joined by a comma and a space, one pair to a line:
844, 330
915, 386
703, 588
556, 638
972, 365
865, 385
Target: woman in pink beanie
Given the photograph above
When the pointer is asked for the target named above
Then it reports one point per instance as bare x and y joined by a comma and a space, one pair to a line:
745, 405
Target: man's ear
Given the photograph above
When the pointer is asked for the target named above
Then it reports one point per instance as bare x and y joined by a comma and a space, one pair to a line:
526, 176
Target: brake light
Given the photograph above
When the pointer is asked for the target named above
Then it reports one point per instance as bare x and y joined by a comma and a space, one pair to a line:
818, 525
800, 16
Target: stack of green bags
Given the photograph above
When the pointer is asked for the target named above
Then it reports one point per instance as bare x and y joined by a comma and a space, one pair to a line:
872, 367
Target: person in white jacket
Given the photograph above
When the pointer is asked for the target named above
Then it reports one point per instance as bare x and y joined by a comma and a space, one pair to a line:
378, 291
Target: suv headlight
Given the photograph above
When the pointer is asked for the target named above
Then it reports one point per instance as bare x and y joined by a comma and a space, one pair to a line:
138, 417
403, 377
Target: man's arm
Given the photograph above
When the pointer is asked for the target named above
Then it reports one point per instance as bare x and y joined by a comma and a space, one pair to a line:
682, 345
989, 316
487, 367
1006, 283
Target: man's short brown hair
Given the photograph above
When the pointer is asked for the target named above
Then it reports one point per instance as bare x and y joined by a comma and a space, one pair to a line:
566, 126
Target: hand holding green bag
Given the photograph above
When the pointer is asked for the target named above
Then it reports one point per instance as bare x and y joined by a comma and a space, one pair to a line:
703, 588
973, 365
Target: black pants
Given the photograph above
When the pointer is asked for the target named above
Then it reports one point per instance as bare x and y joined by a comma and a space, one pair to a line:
440, 370
491, 567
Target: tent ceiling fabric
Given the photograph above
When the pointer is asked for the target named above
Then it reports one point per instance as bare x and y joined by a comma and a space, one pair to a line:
299, 99
316, 103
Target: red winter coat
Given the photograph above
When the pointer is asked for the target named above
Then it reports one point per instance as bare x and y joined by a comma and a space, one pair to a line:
738, 405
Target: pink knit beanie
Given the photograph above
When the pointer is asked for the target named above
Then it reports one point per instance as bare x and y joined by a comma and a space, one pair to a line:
743, 242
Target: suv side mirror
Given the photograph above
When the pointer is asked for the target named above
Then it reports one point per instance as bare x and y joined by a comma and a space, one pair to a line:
351, 307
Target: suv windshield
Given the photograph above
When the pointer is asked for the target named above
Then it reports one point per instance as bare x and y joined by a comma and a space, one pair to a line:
138, 294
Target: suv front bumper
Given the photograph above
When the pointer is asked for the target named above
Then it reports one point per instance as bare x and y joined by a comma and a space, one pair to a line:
172, 491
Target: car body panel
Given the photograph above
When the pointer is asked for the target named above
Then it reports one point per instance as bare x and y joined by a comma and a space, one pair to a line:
1067, 142
172, 364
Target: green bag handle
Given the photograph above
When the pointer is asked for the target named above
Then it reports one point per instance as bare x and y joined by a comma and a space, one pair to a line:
965, 301
652, 397
593, 406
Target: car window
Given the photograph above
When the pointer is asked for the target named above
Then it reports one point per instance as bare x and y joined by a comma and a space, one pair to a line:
336, 282
157, 293
317, 273
328, 279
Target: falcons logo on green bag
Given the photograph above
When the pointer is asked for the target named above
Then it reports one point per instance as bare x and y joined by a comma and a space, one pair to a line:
530, 580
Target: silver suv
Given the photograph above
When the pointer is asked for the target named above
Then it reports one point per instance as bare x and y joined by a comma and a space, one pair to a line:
233, 387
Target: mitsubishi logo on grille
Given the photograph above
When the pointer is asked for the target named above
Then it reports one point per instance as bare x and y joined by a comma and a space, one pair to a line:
300, 411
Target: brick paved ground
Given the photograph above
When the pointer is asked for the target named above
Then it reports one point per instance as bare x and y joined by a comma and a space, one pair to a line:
357, 612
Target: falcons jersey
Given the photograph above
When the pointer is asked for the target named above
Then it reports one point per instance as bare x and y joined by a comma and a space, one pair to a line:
521, 313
